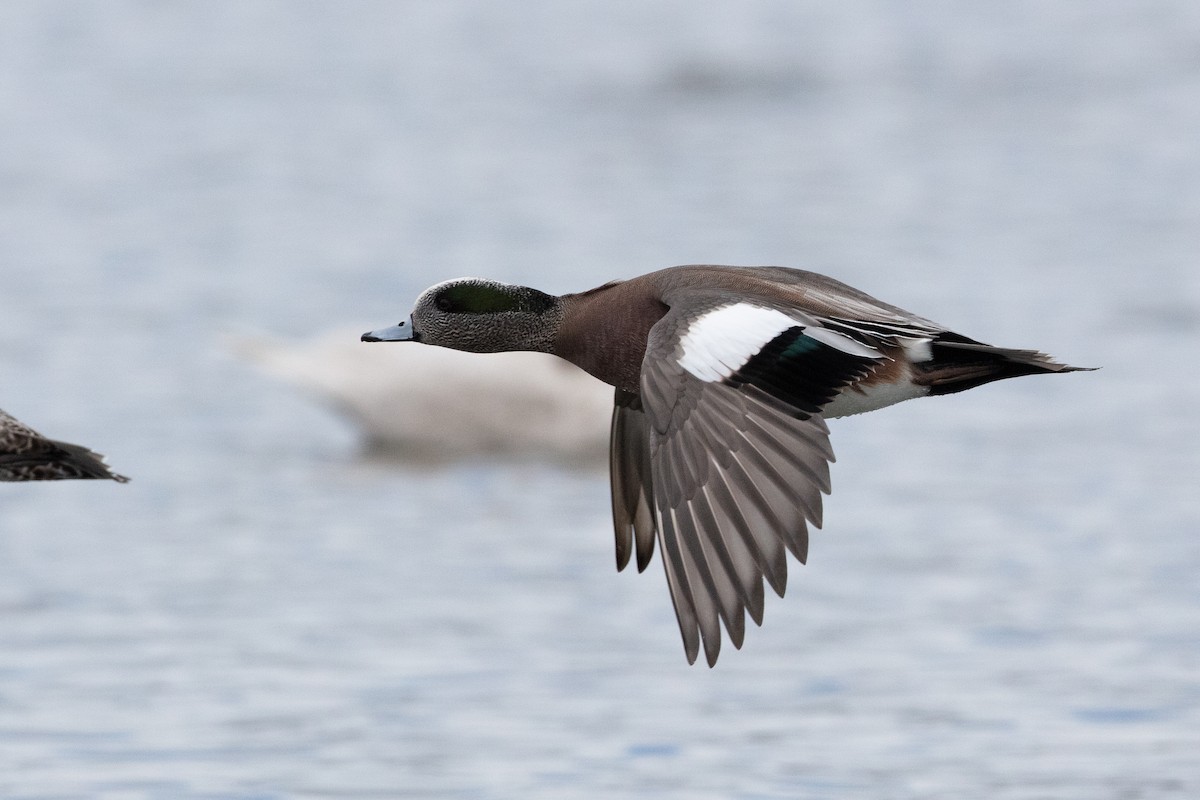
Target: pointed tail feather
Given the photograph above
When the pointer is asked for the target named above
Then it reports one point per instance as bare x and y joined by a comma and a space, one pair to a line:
80, 462
959, 363
51, 460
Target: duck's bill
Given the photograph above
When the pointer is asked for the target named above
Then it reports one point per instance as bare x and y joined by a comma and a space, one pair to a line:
402, 332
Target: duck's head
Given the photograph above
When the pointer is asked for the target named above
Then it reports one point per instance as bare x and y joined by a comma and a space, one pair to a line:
479, 316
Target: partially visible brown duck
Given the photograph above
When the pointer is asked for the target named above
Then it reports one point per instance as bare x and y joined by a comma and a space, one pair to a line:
724, 377
26, 455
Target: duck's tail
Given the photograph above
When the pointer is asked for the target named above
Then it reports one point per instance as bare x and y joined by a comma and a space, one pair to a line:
55, 461
959, 363
78, 461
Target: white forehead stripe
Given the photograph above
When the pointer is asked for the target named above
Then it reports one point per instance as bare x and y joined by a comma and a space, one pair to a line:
719, 343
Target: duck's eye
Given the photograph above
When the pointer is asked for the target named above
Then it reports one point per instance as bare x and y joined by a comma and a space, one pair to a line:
443, 303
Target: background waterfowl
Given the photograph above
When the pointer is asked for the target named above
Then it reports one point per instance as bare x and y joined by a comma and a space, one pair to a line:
26, 455
424, 403
723, 376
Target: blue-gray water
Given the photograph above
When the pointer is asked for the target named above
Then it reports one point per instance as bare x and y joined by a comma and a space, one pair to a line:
1005, 603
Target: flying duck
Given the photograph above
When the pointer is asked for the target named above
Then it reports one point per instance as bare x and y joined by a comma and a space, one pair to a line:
724, 378
26, 455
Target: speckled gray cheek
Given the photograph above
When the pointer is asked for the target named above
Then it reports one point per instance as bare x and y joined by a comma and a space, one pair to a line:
489, 333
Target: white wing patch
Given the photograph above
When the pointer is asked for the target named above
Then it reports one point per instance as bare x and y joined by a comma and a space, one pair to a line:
719, 343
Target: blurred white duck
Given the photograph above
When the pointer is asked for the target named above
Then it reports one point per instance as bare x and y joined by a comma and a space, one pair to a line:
423, 402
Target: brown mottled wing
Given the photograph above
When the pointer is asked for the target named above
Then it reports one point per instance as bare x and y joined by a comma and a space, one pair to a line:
727, 475
26, 455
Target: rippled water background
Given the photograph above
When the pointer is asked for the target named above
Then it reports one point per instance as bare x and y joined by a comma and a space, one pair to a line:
1005, 603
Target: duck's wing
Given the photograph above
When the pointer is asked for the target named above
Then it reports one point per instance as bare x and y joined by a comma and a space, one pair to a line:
724, 457
26, 455
632, 488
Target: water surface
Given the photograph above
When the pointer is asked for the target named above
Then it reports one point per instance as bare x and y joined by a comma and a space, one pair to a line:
1004, 604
